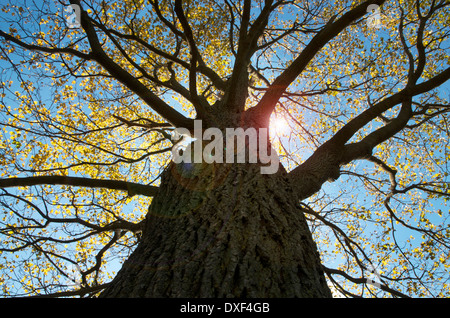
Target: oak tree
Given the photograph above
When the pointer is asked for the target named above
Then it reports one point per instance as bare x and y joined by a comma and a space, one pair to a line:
353, 94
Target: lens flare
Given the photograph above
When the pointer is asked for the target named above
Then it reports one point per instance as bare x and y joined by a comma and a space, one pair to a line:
278, 126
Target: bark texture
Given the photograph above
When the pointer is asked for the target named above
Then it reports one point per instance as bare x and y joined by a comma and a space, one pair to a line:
223, 230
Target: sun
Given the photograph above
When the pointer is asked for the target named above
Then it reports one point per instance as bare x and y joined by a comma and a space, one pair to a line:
278, 126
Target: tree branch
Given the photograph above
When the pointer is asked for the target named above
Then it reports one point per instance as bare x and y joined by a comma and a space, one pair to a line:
247, 44
202, 67
346, 132
131, 187
325, 163
200, 105
80, 292
362, 280
51, 50
363, 148
333, 28
99, 55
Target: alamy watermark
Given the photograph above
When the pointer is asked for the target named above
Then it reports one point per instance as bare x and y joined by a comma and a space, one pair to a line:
73, 20
376, 18
370, 281
237, 143
74, 275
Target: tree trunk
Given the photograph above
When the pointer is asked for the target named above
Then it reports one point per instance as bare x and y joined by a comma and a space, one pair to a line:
223, 230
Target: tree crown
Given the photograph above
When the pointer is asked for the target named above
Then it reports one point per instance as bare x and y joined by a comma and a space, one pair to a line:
91, 90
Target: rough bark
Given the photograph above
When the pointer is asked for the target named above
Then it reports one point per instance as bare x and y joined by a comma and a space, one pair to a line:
223, 230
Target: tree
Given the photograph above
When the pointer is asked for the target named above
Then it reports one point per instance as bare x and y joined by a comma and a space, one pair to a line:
353, 95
